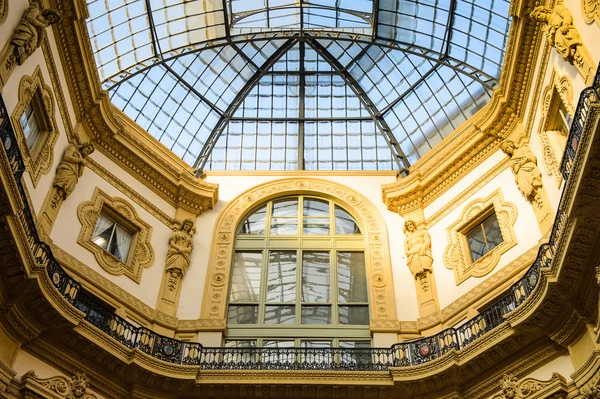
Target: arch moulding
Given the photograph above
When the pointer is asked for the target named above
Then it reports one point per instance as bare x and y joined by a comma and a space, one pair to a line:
382, 301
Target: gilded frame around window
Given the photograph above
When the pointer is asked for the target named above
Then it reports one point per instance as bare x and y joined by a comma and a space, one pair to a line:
382, 301
141, 254
33, 90
560, 89
457, 255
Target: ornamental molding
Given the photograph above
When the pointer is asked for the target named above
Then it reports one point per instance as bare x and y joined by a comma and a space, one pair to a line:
115, 135
591, 11
488, 289
531, 388
133, 194
39, 161
562, 85
133, 149
457, 253
59, 387
382, 299
466, 148
141, 254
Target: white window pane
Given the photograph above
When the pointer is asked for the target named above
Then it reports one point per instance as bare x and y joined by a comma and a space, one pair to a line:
284, 226
352, 277
344, 223
255, 223
281, 284
316, 284
245, 279
285, 208
315, 207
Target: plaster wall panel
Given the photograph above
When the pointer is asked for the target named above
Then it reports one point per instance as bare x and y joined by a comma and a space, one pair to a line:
67, 228
453, 192
232, 186
526, 230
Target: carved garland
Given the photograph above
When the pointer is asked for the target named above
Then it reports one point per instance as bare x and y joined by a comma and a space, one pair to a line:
41, 160
456, 255
382, 298
591, 11
141, 254
564, 88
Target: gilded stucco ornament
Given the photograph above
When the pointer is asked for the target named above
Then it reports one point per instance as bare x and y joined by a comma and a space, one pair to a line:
457, 254
141, 253
591, 11
29, 33
176, 264
524, 166
564, 37
71, 168
75, 387
417, 246
512, 388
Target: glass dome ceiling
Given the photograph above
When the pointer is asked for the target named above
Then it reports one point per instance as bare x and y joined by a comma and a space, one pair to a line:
299, 84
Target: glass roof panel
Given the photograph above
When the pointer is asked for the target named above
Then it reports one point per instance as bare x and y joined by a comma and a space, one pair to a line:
386, 74
207, 80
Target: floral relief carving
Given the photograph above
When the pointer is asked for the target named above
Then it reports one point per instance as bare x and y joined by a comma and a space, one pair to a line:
58, 387
39, 161
141, 254
591, 11
532, 388
377, 253
457, 255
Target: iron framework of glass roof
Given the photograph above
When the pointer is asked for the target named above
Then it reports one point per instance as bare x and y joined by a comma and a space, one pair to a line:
299, 84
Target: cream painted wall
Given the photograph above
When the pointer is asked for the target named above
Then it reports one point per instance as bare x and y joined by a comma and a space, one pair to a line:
26, 362
526, 231
232, 186
67, 227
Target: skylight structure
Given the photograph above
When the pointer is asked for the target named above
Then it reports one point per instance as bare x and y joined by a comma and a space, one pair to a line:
299, 84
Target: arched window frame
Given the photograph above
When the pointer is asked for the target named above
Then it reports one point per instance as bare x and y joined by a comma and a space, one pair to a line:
296, 245
382, 300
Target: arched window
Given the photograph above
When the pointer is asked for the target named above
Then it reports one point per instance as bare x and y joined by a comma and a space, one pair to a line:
298, 277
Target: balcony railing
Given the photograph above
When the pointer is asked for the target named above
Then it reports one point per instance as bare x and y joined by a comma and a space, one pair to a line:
403, 354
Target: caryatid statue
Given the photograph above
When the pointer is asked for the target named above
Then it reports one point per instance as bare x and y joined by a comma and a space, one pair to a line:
524, 166
178, 256
30, 32
417, 246
562, 34
70, 169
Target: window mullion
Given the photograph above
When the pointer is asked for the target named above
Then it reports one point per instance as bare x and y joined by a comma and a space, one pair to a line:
334, 286
112, 233
487, 247
299, 286
262, 298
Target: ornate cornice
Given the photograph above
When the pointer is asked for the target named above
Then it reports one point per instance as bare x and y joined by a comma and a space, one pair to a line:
462, 151
113, 134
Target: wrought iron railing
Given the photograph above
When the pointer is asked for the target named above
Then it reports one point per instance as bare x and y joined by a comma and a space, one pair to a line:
402, 354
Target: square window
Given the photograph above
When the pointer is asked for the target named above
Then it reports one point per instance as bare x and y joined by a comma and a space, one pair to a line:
112, 237
484, 237
34, 124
